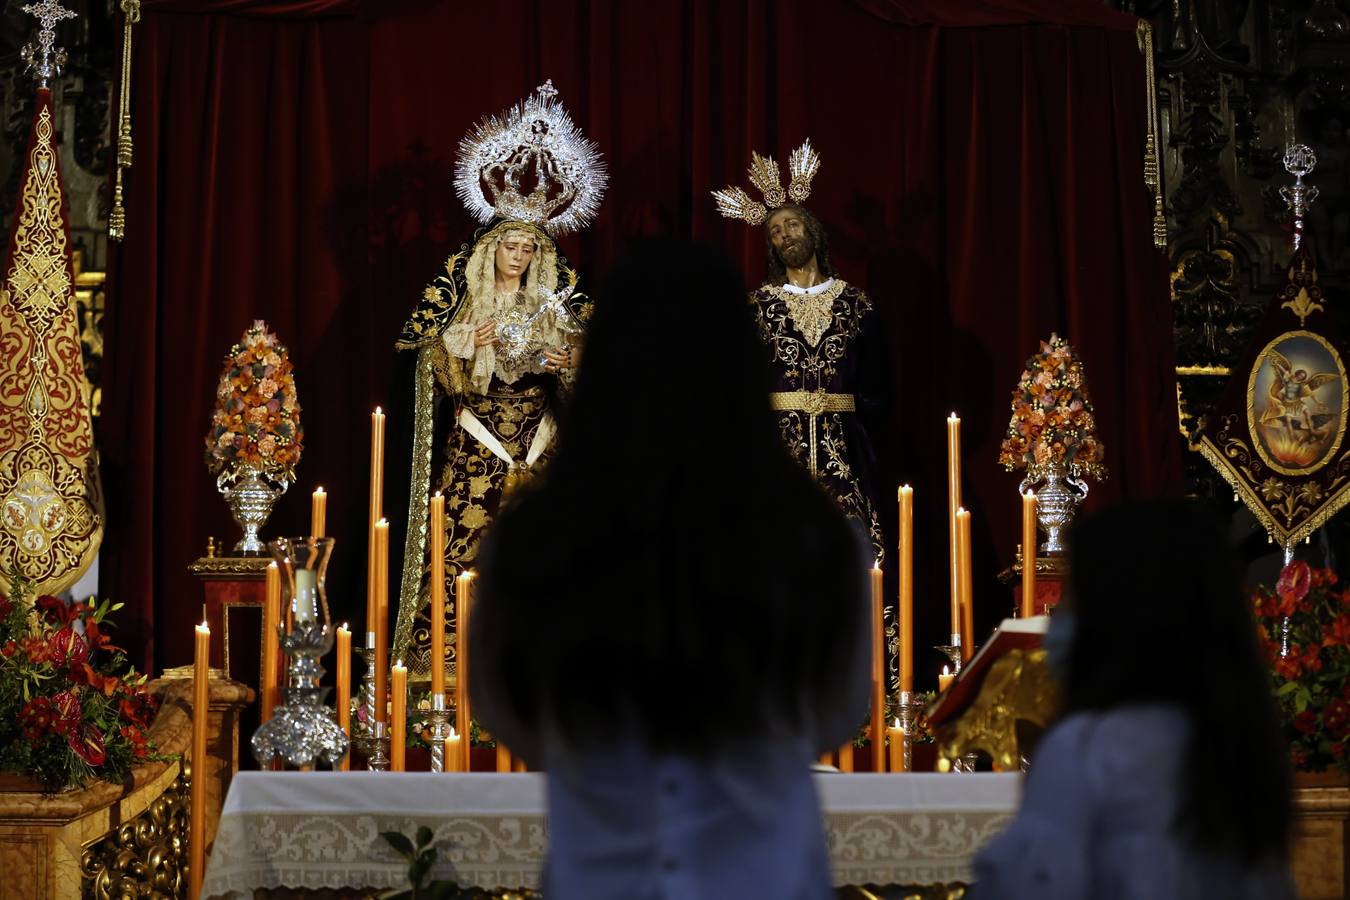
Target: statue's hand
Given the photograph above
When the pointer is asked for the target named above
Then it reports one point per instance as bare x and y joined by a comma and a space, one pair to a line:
485, 335
561, 358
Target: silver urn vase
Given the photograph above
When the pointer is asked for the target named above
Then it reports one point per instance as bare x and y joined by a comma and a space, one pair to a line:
251, 495
1058, 496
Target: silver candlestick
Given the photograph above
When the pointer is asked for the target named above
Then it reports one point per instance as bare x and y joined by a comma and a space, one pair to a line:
953, 651
439, 717
372, 737
909, 716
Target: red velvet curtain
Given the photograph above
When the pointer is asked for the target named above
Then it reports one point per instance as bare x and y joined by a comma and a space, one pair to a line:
985, 184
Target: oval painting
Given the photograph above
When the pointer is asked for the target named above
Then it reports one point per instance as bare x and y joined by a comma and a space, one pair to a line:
1296, 403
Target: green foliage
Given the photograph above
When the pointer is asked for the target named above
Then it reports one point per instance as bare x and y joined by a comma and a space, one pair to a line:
72, 709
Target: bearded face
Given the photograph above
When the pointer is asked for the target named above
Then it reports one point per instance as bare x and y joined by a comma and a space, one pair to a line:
791, 239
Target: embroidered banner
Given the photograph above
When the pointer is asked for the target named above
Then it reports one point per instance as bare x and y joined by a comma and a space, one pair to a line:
51, 505
1278, 434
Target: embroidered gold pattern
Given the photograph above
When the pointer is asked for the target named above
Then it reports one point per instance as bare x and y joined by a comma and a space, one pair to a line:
811, 314
50, 498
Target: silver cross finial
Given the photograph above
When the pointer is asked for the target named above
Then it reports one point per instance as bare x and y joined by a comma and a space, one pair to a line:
44, 57
546, 90
1299, 160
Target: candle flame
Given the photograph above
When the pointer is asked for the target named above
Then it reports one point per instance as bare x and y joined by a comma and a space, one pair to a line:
877, 564
945, 673
319, 489
897, 723
383, 523
953, 417
380, 412
343, 627
453, 735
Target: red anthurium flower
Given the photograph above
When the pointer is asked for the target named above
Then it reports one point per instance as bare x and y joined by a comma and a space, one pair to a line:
68, 648
1305, 722
88, 745
1337, 633
1289, 667
67, 715
1294, 582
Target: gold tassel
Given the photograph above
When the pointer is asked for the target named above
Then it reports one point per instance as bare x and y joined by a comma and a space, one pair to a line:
117, 219
1152, 150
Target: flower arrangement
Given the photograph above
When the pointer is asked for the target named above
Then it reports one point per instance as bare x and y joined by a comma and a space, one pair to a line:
72, 709
1052, 422
257, 416
1309, 662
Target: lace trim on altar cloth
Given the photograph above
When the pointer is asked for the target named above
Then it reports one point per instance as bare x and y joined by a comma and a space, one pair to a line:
269, 850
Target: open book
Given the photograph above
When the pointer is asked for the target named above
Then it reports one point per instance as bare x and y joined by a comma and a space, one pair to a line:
1011, 634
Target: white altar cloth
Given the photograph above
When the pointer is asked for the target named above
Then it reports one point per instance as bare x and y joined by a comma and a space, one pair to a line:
322, 829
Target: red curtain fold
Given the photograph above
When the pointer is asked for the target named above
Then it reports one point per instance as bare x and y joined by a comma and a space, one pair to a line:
984, 13
262, 9
984, 184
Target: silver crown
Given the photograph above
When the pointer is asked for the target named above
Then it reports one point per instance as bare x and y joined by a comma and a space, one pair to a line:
531, 164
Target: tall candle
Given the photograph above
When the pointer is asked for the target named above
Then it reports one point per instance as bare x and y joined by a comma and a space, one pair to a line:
381, 626
878, 671
945, 679
201, 703
318, 513
953, 504
967, 607
846, 757
906, 610
503, 758
398, 730
897, 738
344, 688
306, 595
376, 513
438, 594
270, 649
463, 722
452, 752
1028, 554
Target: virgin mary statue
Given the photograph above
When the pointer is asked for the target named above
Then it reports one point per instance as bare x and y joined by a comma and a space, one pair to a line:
497, 335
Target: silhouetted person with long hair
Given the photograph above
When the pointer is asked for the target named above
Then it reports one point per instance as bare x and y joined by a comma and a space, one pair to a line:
673, 620
1167, 776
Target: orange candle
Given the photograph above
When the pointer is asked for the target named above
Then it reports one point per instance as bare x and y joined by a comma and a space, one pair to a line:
452, 752
376, 513
1028, 554
878, 730
270, 648
381, 620
945, 680
953, 504
503, 758
438, 594
463, 722
906, 610
398, 729
967, 603
318, 513
897, 748
201, 704
344, 688
846, 757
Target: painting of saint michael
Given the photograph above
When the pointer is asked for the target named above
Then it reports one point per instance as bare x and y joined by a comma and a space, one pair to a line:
1296, 402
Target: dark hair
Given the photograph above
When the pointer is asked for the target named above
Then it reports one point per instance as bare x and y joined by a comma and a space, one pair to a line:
673, 572
1160, 617
775, 272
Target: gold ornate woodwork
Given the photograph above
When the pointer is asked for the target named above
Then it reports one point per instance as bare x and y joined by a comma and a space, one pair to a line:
1018, 687
145, 857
